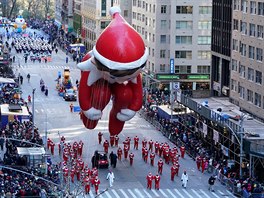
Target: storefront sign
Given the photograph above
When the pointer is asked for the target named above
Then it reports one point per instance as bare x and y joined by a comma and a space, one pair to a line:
216, 136
172, 65
204, 129
198, 77
191, 77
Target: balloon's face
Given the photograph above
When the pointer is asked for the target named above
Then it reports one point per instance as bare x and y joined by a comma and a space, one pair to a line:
20, 21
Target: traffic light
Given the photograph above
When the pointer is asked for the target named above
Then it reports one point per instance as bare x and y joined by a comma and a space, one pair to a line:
225, 131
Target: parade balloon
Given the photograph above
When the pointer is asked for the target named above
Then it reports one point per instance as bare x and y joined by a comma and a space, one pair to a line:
20, 24
112, 70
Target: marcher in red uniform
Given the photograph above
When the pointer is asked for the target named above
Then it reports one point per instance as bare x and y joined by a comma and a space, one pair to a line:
203, 164
173, 172
116, 140
198, 162
145, 155
96, 184
86, 183
150, 145
80, 148
144, 143
149, 180
112, 140
126, 151
160, 166
166, 156
161, 149
136, 140
75, 149
177, 165
182, 149
65, 171
48, 143
156, 145
52, 146
152, 157
119, 153
72, 174
106, 145
78, 172
131, 158
157, 181
62, 138
128, 139
100, 137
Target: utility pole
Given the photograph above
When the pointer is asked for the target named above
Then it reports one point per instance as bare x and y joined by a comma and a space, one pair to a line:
241, 127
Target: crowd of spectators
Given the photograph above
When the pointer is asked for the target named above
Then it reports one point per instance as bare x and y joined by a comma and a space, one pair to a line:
183, 132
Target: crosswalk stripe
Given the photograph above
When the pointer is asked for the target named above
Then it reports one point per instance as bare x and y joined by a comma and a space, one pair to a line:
196, 193
230, 193
123, 192
156, 194
115, 193
107, 194
91, 194
178, 192
185, 191
204, 193
220, 192
162, 192
130, 191
215, 195
139, 193
171, 193
147, 193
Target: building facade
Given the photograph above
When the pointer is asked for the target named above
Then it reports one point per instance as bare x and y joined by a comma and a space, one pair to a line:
64, 14
246, 83
221, 47
178, 35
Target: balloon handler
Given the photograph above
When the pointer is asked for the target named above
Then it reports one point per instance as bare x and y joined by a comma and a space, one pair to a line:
112, 70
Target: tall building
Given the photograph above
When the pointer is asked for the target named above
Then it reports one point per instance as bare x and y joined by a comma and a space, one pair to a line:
64, 14
246, 84
178, 35
221, 47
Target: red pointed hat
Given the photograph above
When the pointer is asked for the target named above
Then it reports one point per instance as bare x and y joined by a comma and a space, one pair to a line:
120, 47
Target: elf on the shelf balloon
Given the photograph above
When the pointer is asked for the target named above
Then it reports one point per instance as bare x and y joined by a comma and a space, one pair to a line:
112, 70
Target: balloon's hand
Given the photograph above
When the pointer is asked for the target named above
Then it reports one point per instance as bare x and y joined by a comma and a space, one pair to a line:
93, 114
125, 114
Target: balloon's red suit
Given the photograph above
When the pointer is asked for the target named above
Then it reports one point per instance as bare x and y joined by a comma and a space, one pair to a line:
112, 70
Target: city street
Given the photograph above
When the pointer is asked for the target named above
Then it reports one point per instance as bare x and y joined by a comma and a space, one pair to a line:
52, 114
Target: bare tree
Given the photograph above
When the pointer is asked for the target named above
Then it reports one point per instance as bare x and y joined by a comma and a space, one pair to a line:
47, 5
13, 4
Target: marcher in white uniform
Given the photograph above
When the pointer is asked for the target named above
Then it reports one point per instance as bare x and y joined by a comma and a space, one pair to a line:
110, 177
184, 179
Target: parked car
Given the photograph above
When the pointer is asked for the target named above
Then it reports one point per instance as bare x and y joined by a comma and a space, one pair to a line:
100, 160
70, 95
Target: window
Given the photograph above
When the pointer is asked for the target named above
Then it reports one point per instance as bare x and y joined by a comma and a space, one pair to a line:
204, 40
243, 27
162, 67
204, 25
183, 54
186, 25
252, 29
154, 8
104, 24
258, 77
235, 44
234, 65
241, 91
153, 52
163, 24
134, 2
250, 95
183, 40
253, 7
236, 4
162, 38
205, 10
235, 24
139, 3
184, 9
204, 55
125, 13
103, 8
250, 74
162, 53
243, 49
259, 54
163, 9
257, 99
183, 69
242, 71
134, 15
153, 38
260, 31
251, 52
203, 69
233, 85
261, 8
244, 6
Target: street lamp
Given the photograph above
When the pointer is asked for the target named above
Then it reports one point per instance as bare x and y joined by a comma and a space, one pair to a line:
33, 110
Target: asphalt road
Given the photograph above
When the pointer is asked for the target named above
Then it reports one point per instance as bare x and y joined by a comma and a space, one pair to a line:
52, 114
